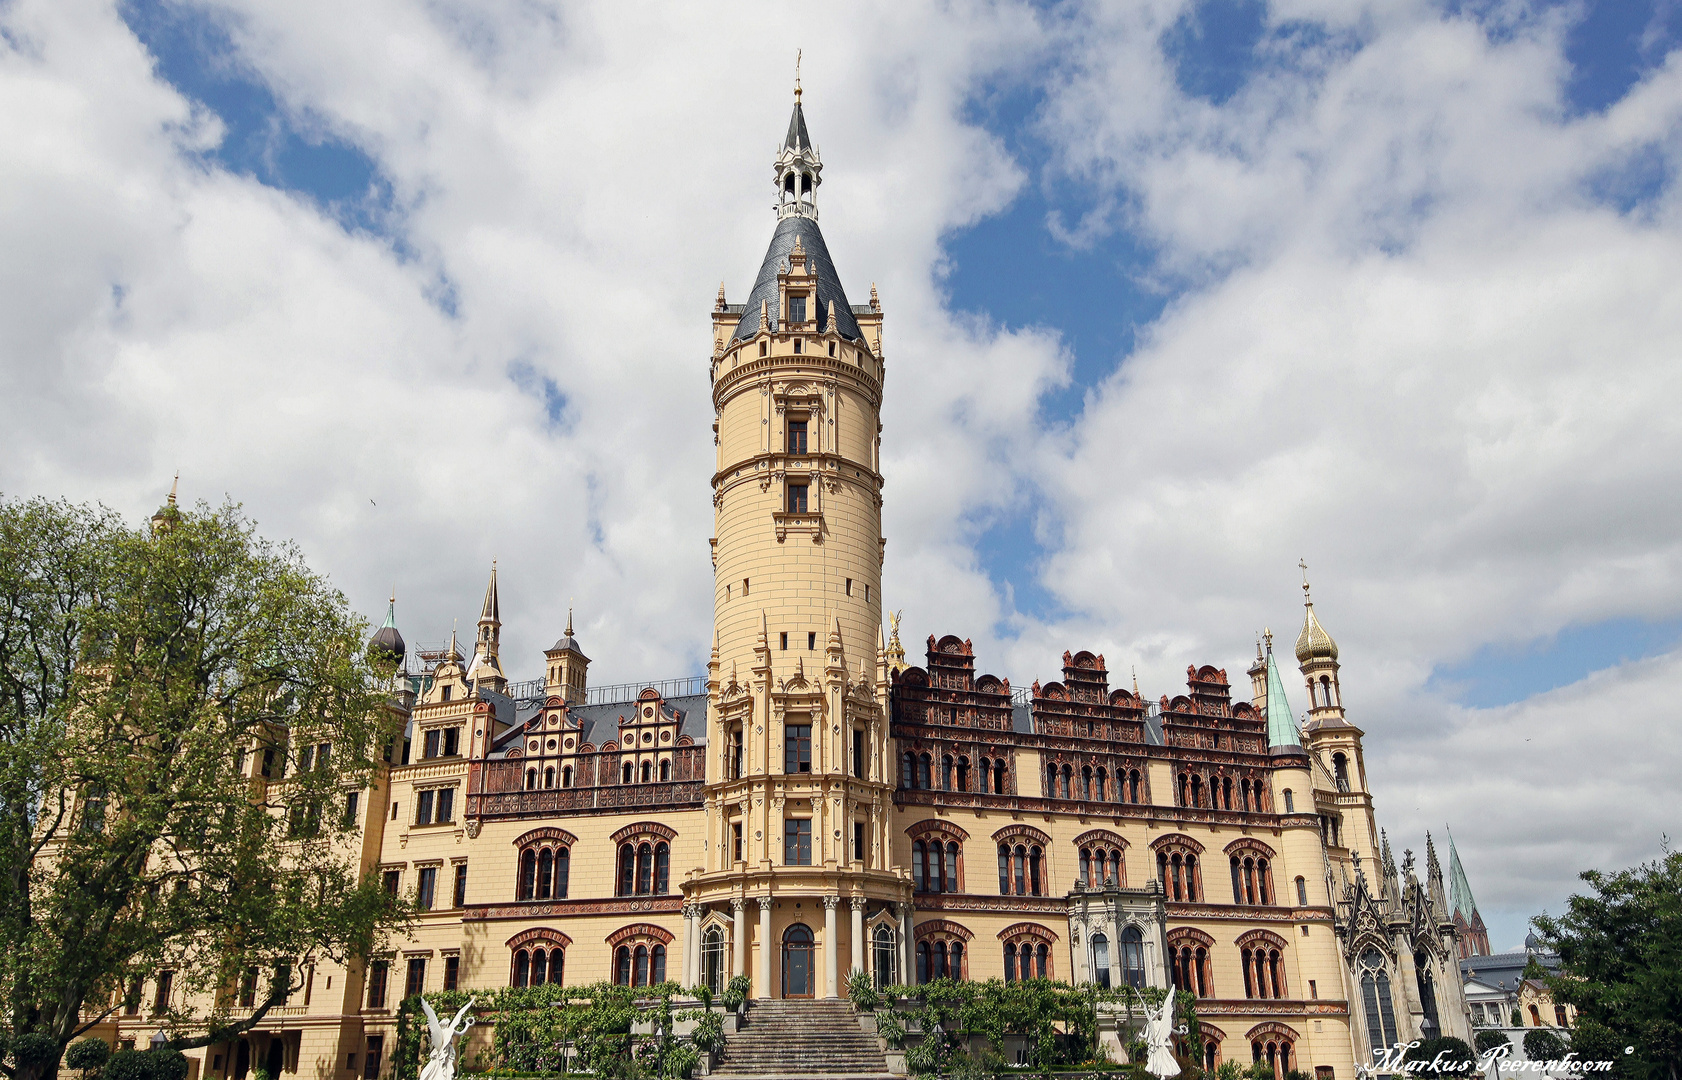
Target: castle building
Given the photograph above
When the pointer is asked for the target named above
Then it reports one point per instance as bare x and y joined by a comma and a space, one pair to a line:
816, 805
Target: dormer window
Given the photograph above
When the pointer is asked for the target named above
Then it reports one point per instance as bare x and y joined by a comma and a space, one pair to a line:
797, 313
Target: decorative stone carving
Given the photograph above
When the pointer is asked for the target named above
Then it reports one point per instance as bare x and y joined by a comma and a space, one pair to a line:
441, 1062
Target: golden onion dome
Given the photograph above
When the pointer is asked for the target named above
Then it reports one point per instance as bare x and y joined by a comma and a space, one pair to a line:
1314, 643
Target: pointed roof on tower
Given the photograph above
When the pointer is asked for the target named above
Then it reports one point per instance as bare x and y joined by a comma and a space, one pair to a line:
386, 638
1460, 890
492, 610
1282, 734
1313, 643
799, 165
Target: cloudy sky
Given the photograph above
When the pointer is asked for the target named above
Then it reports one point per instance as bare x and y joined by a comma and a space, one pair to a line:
1178, 292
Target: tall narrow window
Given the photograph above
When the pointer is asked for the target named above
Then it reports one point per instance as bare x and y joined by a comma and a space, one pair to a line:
452, 972
797, 842
352, 799
426, 887
1132, 957
461, 885
431, 746
736, 840
416, 981
1101, 960
797, 308
446, 805
858, 842
797, 498
378, 971
797, 748
782, 641
423, 807
858, 753
797, 436
452, 741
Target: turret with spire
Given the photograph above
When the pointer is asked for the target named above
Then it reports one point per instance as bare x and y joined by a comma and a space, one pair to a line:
1317, 659
167, 514
567, 668
387, 641
486, 669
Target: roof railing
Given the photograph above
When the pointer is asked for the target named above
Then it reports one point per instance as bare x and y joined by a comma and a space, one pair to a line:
614, 693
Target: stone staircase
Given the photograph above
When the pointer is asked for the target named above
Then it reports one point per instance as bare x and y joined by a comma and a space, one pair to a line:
801, 1038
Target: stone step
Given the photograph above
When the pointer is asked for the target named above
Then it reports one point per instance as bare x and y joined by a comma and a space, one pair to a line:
804, 1039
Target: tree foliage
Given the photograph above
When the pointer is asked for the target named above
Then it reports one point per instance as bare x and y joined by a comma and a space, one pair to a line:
1620, 951
149, 679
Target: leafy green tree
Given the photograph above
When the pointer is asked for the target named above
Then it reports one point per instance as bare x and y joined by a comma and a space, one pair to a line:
1491, 1038
88, 1055
1533, 969
158, 689
1620, 951
1540, 1044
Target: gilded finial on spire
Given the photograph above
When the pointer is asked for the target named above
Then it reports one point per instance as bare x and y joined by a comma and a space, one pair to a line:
797, 74
569, 616
1135, 680
1306, 598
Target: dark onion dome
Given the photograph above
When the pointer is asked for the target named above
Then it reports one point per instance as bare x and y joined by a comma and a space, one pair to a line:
386, 639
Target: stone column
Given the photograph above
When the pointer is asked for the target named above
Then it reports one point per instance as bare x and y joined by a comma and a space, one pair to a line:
859, 903
830, 976
764, 979
691, 943
907, 971
739, 944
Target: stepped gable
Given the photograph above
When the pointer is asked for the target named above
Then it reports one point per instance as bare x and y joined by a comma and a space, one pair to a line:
947, 693
1205, 718
1083, 706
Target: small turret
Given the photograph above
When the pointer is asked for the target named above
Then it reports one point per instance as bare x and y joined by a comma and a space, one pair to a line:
567, 668
487, 665
386, 640
167, 514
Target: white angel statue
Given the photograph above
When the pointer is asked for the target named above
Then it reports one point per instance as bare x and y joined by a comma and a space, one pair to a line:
441, 1063
1159, 1038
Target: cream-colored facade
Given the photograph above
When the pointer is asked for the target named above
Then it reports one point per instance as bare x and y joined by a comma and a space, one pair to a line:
816, 805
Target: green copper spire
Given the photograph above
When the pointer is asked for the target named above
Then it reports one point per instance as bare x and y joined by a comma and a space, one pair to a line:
1281, 724
1460, 890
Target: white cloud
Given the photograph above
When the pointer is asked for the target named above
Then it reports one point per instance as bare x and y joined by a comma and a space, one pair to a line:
1408, 345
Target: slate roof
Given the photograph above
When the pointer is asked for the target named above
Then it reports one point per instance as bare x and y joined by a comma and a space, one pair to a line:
817, 258
797, 138
1504, 971
601, 722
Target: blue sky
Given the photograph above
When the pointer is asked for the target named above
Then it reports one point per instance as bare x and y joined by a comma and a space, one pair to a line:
1011, 267
1177, 294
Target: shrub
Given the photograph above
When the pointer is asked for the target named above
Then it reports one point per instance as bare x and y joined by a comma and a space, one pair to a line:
709, 1032
737, 992
1489, 1040
1459, 1060
129, 1065
1517, 1018
87, 1055
891, 1030
1540, 1044
861, 990
1260, 1070
681, 1061
1297, 1074
704, 994
35, 1051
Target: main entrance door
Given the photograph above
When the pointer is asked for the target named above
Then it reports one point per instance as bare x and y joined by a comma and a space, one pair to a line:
797, 962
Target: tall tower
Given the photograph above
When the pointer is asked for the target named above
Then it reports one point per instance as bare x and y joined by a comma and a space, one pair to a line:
797, 769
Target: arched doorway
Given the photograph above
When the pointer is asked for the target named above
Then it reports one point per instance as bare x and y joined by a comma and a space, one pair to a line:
797, 962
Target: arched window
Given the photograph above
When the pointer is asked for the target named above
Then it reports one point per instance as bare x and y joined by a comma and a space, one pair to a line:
627, 871
545, 859
984, 777
1042, 962
924, 780
539, 967
946, 768
1340, 770
922, 962
625, 773
1535, 1016
999, 777
566, 775
639, 976
537, 958
645, 869
662, 869
622, 966
919, 866
1010, 962
549, 777
528, 879
1302, 892
1133, 785
886, 954
647, 772
908, 771
1051, 781
1275, 1049
1086, 782
665, 770
1068, 782
522, 969
531, 779
1132, 957
1375, 1001
1102, 789
715, 967
963, 773
1101, 960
